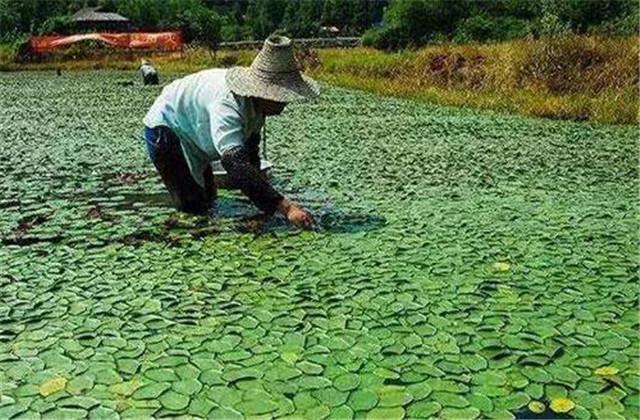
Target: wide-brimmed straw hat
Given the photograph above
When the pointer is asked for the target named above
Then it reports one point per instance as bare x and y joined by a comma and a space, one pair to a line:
273, 75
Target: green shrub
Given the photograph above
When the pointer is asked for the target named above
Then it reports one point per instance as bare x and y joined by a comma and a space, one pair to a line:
13, 51
388, 38
487, 28
57, 24
374, 38
623, 26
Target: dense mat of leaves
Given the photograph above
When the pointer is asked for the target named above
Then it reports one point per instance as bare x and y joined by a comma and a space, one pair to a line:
465, 265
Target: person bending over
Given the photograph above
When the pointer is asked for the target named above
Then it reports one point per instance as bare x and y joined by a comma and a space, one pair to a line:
217, 114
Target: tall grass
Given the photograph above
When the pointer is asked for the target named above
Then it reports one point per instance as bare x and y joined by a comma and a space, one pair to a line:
73, 59
582, 78
575, 77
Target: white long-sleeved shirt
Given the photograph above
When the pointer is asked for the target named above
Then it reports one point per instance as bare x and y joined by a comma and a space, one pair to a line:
208, 118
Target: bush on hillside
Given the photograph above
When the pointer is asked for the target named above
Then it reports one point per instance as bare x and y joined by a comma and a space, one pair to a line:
57, 24
564, 65
484, 28
418, 22
381, 39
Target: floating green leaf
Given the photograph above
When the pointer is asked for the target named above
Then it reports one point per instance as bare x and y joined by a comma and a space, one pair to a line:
52, 386
362, 400
174, 401
561, 405
465, 263
537, 407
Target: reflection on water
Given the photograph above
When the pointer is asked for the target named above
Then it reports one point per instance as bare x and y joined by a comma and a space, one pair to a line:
247, 219
233, 212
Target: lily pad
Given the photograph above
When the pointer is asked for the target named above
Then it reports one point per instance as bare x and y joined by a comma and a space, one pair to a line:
537, 407
225, 413
151, 391
80, 384
125, 388
346, 382
419, 391
186, 386
341, 413
481, 402
561, 405
606, 371
52, 386
256, 407
386, 413
423, 409
330, 397
447, 399
396, 398
460, 413
173, 401
362, 400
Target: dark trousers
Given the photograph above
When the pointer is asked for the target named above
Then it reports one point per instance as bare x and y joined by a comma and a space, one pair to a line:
188, 196
150, 79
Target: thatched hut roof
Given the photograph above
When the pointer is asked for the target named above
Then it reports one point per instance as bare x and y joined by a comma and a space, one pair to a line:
91, 14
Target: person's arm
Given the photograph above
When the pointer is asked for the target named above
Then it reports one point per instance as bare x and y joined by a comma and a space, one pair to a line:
249, 180
237, 159
253, 148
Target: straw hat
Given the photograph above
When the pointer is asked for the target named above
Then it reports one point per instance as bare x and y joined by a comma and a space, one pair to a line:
273, 75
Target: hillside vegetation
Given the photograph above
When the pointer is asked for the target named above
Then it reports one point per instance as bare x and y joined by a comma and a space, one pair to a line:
586, 78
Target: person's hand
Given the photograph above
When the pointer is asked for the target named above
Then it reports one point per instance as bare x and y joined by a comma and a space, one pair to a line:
296, 215
300, 217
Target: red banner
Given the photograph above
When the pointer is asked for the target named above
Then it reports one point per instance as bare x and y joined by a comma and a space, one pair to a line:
168, 41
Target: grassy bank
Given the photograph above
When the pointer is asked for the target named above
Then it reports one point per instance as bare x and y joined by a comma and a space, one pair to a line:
580, 78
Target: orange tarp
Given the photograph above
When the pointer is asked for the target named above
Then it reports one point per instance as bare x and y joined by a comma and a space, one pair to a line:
171, 41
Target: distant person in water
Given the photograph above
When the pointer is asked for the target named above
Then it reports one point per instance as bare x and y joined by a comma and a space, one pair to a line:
148, 73
217, 114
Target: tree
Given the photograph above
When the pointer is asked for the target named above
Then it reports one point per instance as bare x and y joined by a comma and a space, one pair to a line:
337, 13
199, 23
301, 18
57, 24
265, 16
581, 14
290, 18
406, 22
8, 22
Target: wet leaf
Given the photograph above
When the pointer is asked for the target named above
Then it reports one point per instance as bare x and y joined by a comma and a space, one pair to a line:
501, 266
256, 407
174, 401
52, 386
423, 409
363, 400
606, 371
450, 400
386, 413
460, 413
537, 407
561, 405
465, 262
